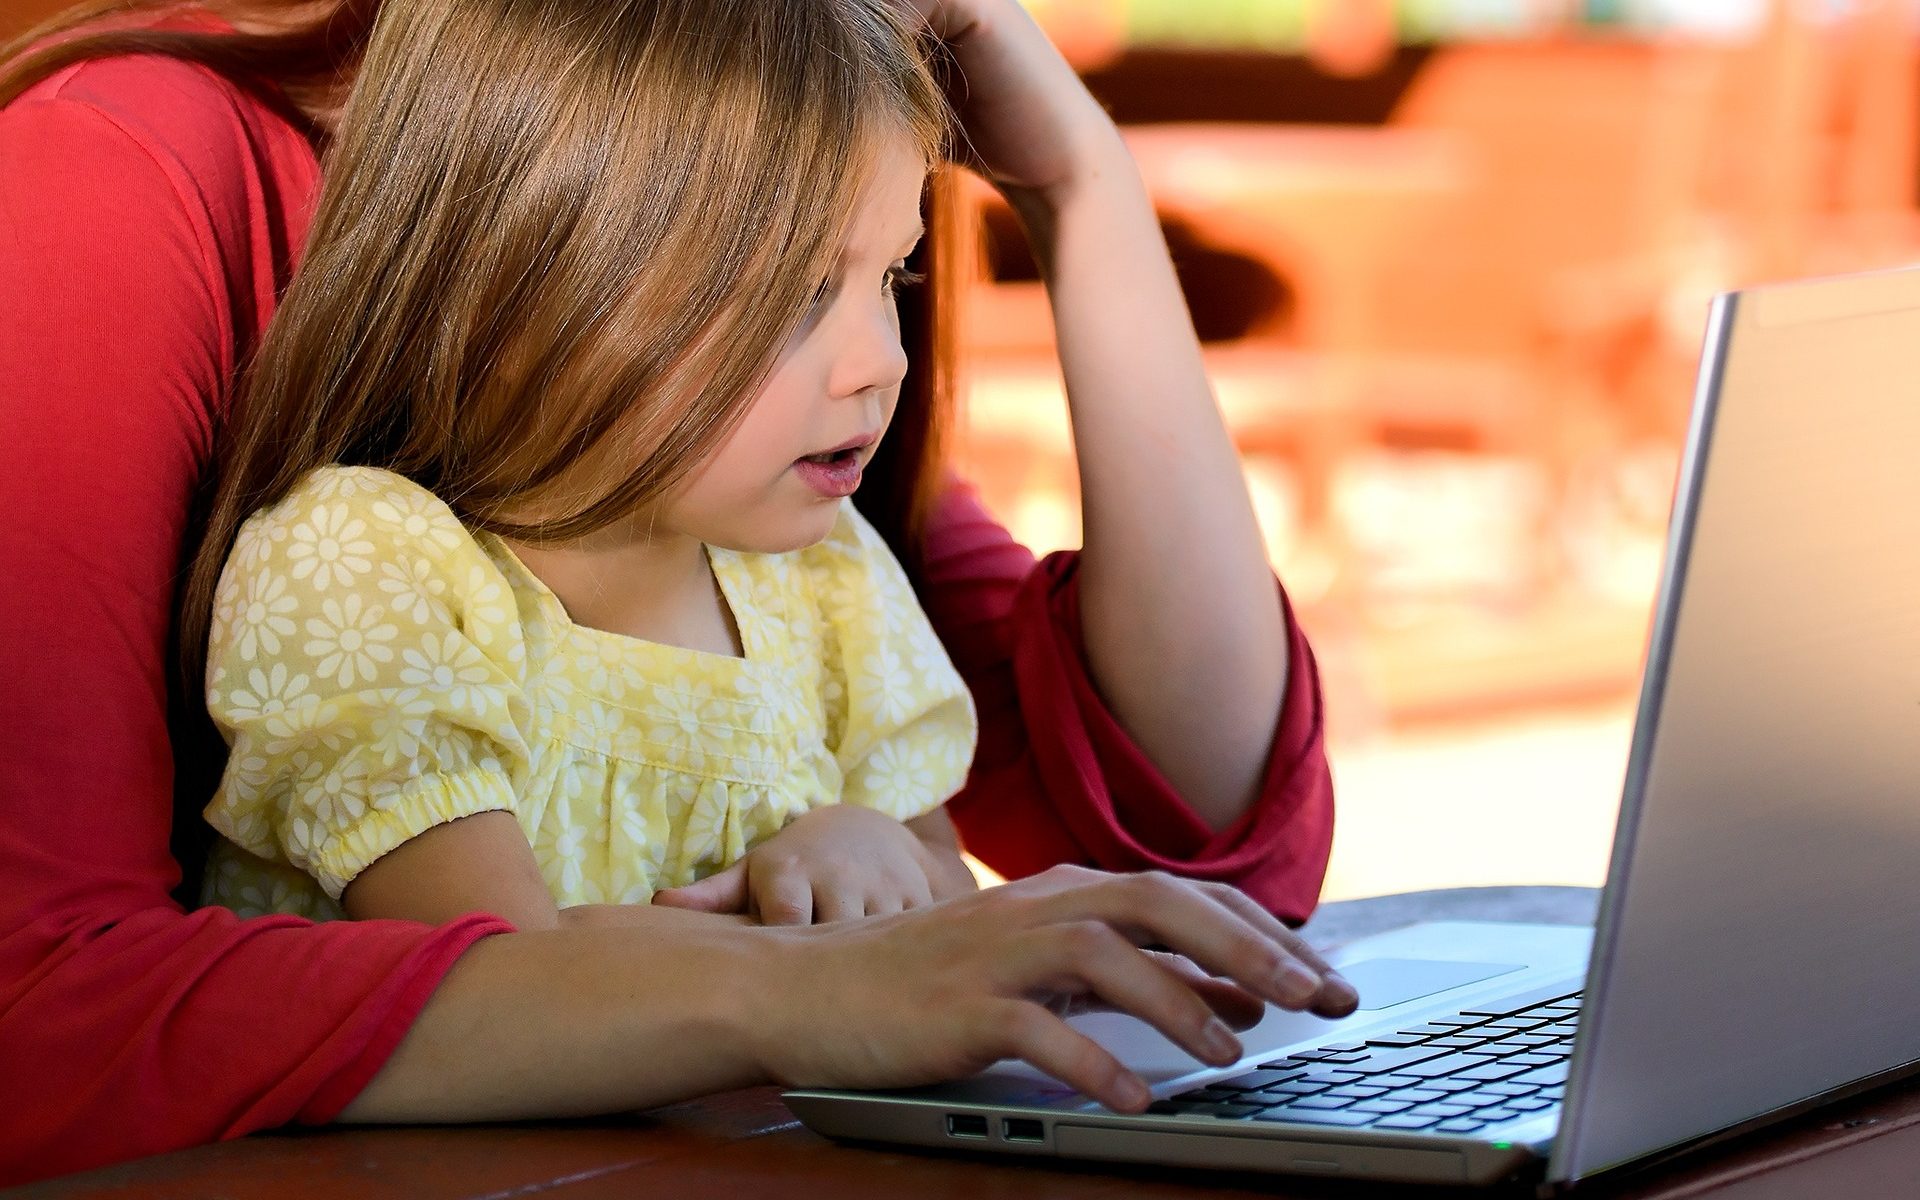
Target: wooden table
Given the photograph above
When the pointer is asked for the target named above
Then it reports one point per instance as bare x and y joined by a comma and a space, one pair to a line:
747, 1146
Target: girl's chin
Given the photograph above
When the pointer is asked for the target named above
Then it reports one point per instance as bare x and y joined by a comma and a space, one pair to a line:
783, 531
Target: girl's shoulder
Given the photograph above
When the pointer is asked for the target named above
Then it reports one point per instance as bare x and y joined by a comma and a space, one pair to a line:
344, 521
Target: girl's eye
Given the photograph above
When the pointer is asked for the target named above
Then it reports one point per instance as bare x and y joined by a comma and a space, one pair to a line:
900, 277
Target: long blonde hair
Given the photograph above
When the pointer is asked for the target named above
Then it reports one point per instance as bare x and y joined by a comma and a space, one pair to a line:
553, 226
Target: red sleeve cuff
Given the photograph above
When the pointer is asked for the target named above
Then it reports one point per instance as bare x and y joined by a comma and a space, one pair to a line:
1121, 809
396, 1004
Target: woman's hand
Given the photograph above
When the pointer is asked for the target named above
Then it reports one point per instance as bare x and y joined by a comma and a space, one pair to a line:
1030, 125
897, 1001
833, 864
942, 993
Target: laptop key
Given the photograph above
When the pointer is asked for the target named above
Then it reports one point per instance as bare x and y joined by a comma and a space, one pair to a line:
1444, 1065
1459, 1125
1356, 1091
1509, 1088
1295, 1087
1508, 1005
1494, 1116
1383, 1106
1405, 1121
1310, 1116
1323, 1101
1255, 1080
1537, 1058
1397, 1040
1490, 1072
1419, 1095
1527, 1104
1205, 1095
1229, 1112
1556, 1074
1451, 1085
1443, 1110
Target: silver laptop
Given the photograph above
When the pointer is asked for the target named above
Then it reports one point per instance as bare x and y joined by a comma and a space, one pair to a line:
1755, 948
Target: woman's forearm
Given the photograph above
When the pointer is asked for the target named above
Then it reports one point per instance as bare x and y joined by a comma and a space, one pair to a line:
577, 1021
1183, 626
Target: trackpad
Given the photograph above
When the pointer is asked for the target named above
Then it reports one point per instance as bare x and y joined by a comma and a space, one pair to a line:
1385, 982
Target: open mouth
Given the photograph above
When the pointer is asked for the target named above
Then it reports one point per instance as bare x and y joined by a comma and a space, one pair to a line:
834, 458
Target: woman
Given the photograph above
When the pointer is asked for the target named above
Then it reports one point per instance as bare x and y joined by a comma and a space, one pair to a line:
151, 212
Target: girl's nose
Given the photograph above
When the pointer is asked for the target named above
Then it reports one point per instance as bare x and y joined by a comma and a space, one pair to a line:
870, 357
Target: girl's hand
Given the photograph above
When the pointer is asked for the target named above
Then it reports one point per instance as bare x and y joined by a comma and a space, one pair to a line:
942, 993
831, 864
1030, 124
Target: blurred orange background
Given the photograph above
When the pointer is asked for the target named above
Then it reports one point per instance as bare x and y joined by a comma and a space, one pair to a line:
1451, 261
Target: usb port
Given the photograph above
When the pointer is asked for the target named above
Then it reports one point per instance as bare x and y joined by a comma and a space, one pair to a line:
959, 1125
1023, 1129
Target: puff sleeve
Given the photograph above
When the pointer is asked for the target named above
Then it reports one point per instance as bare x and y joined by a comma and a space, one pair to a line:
365, 667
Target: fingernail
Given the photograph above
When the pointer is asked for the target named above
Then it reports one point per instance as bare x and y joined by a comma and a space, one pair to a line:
1297, 984
1131, 1093
1218, 1041
1344, 991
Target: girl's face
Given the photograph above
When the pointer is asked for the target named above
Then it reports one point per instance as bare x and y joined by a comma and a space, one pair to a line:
775, 484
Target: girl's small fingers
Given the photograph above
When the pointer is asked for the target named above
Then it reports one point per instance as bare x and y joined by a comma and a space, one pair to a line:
886, 904
838, 902
1030, 1033
918, 890
1094, 958
786, 898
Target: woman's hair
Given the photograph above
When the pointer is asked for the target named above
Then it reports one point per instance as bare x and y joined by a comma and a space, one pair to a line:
550, 230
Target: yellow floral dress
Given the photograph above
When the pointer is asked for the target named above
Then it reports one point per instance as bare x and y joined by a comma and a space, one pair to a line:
379, 669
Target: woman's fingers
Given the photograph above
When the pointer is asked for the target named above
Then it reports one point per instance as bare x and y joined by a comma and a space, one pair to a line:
1336, 997
1235, 1005
1091, 957
1157, 909
1029, 1032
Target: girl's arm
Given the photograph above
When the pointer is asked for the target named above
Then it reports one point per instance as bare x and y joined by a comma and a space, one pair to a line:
1184, 632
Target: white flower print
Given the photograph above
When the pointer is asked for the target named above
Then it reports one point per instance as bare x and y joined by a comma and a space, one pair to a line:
680, 715
398, 730
339, 797
448, 666
330, 547
269, 692
889, 688
418, 516
605, 669
900, 776
260, 611
349, 639
488, 606
415, 586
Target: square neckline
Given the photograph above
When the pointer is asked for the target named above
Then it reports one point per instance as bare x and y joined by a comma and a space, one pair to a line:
746, 620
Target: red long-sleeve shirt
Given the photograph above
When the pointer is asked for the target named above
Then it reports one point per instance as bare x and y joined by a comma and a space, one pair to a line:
150, 215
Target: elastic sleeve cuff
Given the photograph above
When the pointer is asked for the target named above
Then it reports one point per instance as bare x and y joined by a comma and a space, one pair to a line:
432, 801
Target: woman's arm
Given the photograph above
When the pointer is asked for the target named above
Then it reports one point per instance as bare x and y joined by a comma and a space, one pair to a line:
1184, 632
578, 1021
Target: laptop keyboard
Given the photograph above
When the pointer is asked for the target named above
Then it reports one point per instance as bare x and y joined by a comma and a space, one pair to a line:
1455, 1074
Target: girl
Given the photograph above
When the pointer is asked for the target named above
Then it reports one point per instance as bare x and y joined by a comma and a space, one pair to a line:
549, 479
